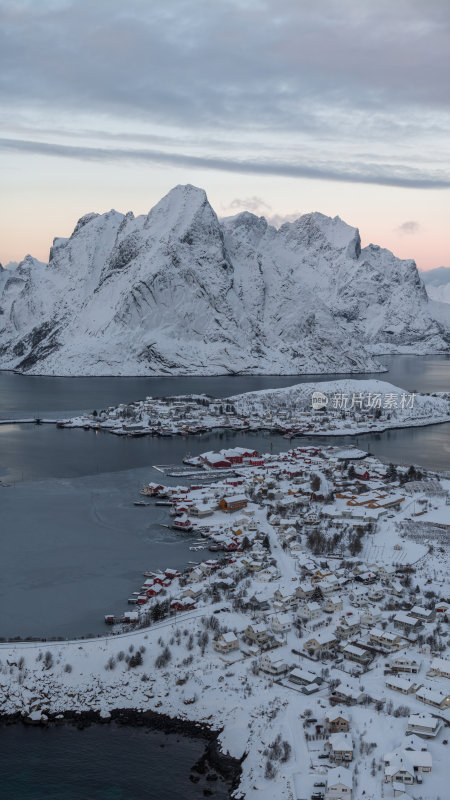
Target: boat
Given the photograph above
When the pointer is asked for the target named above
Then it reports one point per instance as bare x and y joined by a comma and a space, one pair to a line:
140, 503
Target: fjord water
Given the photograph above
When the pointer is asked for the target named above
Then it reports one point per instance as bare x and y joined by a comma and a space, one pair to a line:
29, 395
102, 762
74, 546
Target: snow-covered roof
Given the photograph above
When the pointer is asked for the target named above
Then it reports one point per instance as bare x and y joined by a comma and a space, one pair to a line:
339, 776
424, 720
340, 741
229, 637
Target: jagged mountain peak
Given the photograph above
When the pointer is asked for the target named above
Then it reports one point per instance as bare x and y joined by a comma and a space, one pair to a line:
84, 220
184, 208
315, 230
29, 262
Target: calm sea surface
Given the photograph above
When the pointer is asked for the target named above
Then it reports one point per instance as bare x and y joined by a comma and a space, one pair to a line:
102, 762
28, 395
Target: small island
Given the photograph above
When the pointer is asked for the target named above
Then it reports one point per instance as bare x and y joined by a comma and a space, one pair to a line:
337, 408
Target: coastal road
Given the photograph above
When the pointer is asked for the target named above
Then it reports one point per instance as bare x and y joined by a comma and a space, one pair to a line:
176, 620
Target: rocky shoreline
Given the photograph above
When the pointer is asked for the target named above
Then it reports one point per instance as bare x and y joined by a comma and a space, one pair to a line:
212, 761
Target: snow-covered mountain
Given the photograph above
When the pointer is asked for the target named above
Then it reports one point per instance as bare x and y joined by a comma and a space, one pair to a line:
179, 292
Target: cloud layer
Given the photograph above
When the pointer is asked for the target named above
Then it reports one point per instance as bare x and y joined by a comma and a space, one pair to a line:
380, 174
344, 90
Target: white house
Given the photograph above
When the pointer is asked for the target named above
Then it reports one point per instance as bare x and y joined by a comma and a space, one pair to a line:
192, 592
196, 575
272, 665
385, 639
403, 685
329, 585
439, 667
348, 626
339, 784
433, 697
349, 692
226, 642
370, 616
320, 642
332, 604
406, 622
281, 623
396, 588
358, 654
309, 611
303, 677
399, 770
376, 593
386, 571
283, 597
257, 633
340, 746
404, 765
424, 724
423, 614
358, 596
304, 590
404, 664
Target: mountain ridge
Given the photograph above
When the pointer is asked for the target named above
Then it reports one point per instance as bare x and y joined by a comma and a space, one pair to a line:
178, 291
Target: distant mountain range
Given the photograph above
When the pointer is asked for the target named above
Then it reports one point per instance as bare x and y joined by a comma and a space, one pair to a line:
177, 291
437, 283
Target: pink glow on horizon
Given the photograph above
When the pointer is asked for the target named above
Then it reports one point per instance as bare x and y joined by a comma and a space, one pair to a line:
412, 224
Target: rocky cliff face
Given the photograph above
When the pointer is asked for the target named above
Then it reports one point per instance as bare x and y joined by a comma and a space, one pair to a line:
178, 292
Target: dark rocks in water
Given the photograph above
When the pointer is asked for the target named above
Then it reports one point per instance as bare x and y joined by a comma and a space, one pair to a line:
226, 766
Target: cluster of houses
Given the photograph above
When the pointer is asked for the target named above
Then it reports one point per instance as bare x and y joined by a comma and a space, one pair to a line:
320, 626
192, 414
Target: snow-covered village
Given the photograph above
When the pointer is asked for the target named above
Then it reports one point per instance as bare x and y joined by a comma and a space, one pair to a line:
341, 407
313, 635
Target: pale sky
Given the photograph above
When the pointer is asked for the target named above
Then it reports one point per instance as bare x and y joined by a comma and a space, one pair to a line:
280, 107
